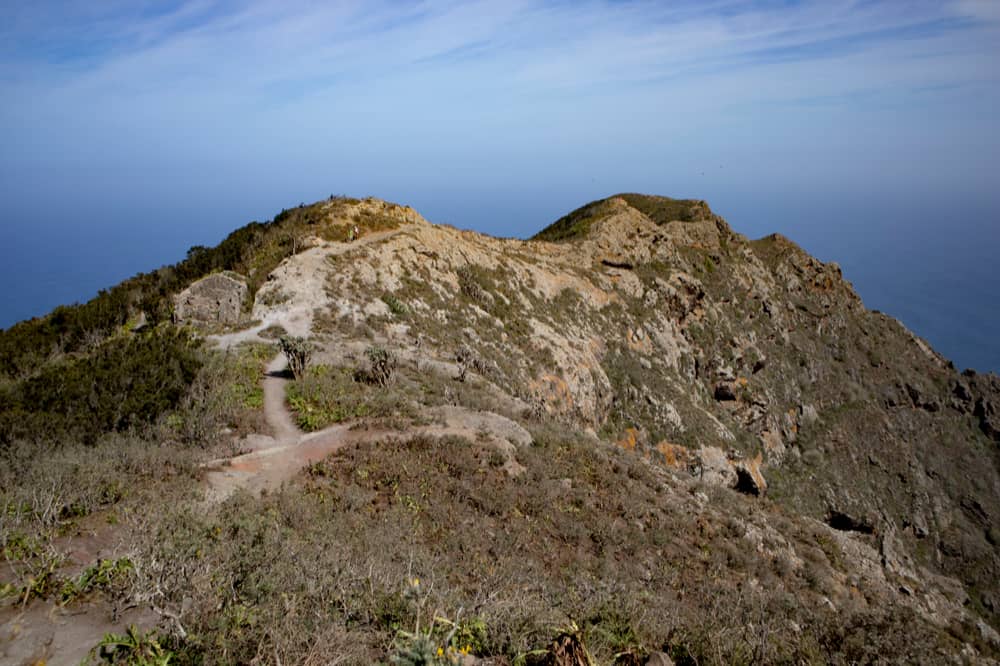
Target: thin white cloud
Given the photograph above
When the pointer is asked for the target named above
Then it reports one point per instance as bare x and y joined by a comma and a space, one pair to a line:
300, 69
551, 44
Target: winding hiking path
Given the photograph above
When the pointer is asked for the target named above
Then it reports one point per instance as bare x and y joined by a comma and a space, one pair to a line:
279, 457
302, 282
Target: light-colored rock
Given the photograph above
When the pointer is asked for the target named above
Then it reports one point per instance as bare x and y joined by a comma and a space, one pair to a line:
716, 468
215, 299
807, 415
659, 659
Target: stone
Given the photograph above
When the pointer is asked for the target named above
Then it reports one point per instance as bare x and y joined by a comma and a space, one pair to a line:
215, 299
961, 390
141, 323
659, 659
991, 428
773, 444
807, 415
921, 399
716, 468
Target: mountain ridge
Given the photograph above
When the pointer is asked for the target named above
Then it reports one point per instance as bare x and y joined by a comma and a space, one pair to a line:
743, 380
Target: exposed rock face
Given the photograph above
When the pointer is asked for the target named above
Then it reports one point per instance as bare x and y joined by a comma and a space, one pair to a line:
215, 299
744, 364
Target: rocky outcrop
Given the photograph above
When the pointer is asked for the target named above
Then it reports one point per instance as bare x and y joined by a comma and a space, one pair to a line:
985, 400
215, 299
744, 364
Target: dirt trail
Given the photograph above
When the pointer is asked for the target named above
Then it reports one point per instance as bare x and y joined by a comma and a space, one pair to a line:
46, 633
278, 417
280, 457
301, 282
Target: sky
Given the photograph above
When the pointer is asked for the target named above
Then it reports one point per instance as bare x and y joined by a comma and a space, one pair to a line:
866, 131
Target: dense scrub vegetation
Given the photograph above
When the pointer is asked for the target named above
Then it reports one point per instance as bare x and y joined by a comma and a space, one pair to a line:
418, 540
61, 476
253, 250
664, 209
659, 209
426, 543
125, 382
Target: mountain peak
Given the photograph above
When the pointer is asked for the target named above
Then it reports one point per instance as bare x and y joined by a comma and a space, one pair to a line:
658, 209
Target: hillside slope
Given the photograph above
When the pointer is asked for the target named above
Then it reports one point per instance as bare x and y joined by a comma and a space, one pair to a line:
632, 421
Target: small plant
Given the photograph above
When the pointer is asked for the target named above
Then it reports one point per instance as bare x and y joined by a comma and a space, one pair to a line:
430, 647
107, 575
469, 285
381, 366
568, 648
38, 562
396, 306
297, 351
468, 359
415, 650
133, 647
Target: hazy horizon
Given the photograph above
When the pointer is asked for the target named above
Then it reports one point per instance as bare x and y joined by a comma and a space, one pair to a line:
865, 131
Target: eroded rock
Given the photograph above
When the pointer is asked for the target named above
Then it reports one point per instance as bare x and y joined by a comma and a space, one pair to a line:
215, 299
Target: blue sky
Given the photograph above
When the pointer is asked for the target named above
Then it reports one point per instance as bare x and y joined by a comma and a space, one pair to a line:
865, 130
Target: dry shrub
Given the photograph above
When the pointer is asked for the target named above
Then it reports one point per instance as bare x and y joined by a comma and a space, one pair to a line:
325, 570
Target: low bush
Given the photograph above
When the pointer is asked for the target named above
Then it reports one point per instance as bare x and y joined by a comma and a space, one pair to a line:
326, 395
416, 549
297, 351
126, 382
381, 367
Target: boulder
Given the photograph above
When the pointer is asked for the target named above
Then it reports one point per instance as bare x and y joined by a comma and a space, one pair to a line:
730, 470
659, 659
215, 299
716, 468
990, 425
807, 415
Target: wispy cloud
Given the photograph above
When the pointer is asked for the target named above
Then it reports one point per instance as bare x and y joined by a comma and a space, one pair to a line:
194, 42
126, 80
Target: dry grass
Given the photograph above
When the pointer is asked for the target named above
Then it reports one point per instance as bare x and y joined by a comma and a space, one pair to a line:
382, 542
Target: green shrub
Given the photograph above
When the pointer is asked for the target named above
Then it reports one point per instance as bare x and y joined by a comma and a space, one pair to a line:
273, 332
253, 251
396, 306
659, 209
327, 395
110, 576
134, 647
381, 366
297, 351
127, 381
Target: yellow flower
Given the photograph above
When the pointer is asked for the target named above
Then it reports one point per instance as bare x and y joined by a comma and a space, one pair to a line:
415, 582
440, 651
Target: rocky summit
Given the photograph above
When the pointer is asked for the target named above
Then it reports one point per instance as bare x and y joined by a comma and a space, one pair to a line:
637, 431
